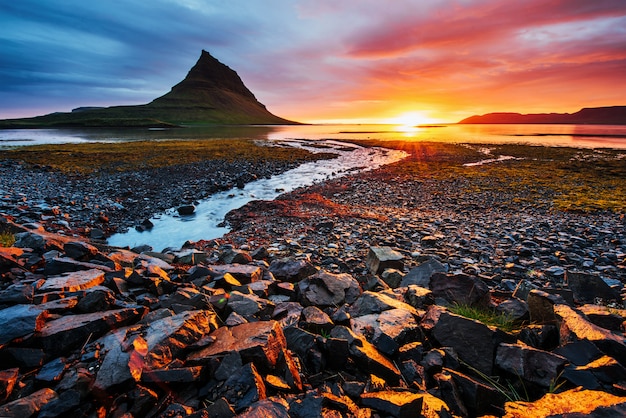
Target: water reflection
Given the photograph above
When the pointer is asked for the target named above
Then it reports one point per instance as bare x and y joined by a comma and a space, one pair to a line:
585, 136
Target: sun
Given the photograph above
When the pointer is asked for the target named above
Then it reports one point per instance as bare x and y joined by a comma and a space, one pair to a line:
410, 120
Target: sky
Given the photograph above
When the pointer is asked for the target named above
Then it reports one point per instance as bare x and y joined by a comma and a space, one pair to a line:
320, 61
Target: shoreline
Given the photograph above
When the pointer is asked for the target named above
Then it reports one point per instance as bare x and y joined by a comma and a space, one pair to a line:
412, 199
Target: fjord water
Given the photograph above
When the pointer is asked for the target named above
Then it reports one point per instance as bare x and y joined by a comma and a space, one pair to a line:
578, 136
173, 230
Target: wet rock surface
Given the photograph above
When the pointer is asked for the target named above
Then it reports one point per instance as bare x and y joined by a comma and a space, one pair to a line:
315, 312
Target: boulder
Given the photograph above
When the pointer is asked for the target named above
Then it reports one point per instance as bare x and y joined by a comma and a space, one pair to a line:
189, 256
17, 293
608, 318
244, 273
575, 403
8, 378
9, 257
420, 275
61, 406
59, 336
72, 282
449, 392
315, 320
587, 288
418, 297
514, 308
392, 277
535, 366
327, 289
373, 302
479, 398
185, 210
29, 405
381, 258
388, 330
249, 305
474, 342
575, 327
31, 240
261, 343
394, 403
366, 356
460, 289
79, 250
172, 375
131, 351
271, 407
541, 306
20, 320
235, 256
291, 270
61, 265
603, 373
243, 388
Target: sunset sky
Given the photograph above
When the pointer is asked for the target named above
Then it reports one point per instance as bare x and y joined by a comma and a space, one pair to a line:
320, 60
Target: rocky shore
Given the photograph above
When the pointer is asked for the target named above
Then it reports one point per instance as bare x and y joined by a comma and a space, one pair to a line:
376, 294
100, 204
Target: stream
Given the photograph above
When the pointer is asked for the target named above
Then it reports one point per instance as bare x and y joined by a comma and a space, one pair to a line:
173, 230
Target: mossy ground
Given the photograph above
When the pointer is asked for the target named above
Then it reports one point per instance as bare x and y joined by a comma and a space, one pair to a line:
569, 179
90, 158
561, 178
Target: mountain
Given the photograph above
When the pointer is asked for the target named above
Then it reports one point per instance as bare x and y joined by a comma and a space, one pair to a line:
609, 115
211, 93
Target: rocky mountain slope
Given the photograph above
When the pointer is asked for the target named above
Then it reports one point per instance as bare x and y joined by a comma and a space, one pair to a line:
211, 93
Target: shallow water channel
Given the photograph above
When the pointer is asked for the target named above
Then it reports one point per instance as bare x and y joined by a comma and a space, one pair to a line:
172, 230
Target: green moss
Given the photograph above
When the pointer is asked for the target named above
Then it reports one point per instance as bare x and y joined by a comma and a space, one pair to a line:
86, 158
562, 178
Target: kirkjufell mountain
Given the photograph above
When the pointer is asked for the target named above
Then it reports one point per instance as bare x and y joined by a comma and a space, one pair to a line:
211, 93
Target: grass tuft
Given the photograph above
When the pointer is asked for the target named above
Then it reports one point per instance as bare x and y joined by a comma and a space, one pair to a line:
6, 239
490, 317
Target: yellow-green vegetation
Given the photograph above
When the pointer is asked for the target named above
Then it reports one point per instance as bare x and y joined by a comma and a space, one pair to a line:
87, 158
576, 179
569, 179
485, 315
6, 239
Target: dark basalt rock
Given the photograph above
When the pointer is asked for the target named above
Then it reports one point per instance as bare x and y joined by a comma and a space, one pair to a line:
153, 334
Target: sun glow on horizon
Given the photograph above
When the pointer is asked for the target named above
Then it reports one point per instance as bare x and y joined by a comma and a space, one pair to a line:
406, 122
411, 120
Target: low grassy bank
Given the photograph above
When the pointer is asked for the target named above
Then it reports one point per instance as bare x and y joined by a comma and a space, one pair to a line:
89, 158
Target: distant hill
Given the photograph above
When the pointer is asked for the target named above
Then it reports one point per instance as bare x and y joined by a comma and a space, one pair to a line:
211, 93
610, 115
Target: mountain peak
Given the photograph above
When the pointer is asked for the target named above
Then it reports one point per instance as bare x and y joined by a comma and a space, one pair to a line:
213, 92
210, 73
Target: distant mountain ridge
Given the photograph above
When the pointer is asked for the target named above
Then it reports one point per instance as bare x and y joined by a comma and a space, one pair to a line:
211, 93
608, 115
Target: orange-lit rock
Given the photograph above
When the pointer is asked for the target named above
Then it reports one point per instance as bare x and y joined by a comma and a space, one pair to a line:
574, 402
574, 326
396, 404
